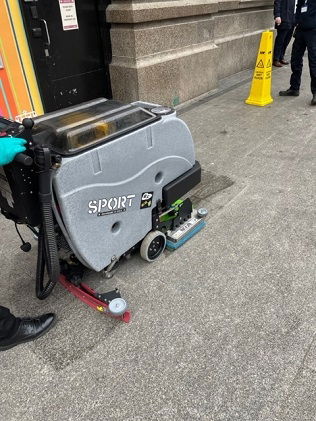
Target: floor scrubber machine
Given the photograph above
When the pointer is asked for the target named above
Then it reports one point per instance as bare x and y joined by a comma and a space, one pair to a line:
99, 181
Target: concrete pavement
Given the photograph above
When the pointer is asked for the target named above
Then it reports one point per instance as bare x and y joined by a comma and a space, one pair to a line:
224, 328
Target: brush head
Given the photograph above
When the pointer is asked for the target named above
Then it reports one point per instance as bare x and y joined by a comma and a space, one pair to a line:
177, 238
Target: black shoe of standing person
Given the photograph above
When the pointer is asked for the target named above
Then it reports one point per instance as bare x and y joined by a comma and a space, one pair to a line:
289, 92
313, 102
284, 62
28, 330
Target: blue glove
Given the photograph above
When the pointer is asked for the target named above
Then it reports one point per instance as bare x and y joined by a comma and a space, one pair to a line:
9, 147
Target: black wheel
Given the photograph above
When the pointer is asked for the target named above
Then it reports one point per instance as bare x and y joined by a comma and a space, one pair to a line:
153, 246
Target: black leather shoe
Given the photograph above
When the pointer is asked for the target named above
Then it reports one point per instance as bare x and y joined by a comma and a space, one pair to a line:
313, 102
284, 62
277, 63
29, 330
289, 92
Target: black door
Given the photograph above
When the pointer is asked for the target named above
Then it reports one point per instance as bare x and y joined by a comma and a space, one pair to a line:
70, 46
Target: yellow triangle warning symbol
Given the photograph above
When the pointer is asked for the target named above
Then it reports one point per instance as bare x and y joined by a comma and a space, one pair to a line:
269, 63
260, 64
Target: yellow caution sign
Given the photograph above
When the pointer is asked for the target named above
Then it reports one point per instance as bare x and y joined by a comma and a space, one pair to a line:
260, 92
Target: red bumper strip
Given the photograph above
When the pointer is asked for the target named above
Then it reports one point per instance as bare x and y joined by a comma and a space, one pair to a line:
86, 294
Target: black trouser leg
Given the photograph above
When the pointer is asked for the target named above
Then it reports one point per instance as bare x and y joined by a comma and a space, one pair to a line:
286, 41
8, 323
298, 51
311, 48
279, 44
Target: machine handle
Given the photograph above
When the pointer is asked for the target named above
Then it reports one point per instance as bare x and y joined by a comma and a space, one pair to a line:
23, 159
47, 33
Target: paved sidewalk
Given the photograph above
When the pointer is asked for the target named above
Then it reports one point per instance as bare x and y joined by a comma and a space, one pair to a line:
224, 328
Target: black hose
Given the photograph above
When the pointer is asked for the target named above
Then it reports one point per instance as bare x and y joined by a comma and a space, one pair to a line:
47, 257
47, 247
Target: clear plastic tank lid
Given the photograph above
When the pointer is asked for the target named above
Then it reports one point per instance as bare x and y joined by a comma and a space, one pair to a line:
70, 132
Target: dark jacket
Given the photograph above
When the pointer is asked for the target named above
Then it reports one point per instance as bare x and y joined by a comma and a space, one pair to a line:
285, 9
306, 20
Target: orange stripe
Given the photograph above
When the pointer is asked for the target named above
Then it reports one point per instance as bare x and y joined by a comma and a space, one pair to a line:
12, 65
9, 97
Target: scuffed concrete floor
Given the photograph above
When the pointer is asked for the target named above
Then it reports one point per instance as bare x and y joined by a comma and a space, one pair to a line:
224, 328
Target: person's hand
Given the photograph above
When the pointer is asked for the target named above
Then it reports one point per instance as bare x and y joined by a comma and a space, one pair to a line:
278, 21
9, 147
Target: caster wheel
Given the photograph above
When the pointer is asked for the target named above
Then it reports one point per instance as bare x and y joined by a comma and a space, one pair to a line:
153, 246
202, 212
118, 306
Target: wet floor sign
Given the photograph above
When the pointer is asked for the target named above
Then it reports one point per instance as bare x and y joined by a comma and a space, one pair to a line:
260, 92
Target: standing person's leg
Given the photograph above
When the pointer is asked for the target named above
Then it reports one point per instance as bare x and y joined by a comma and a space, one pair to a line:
278, 46
8, 323
286, 42
311, 48
298, 50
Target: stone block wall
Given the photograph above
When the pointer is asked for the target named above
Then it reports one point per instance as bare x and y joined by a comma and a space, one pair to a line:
174, 50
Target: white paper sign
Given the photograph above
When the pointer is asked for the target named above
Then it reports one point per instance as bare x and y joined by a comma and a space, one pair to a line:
68, 14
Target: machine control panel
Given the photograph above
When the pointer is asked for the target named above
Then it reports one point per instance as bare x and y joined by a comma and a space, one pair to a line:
10, 128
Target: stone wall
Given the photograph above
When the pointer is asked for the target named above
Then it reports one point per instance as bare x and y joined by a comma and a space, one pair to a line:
172, 51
